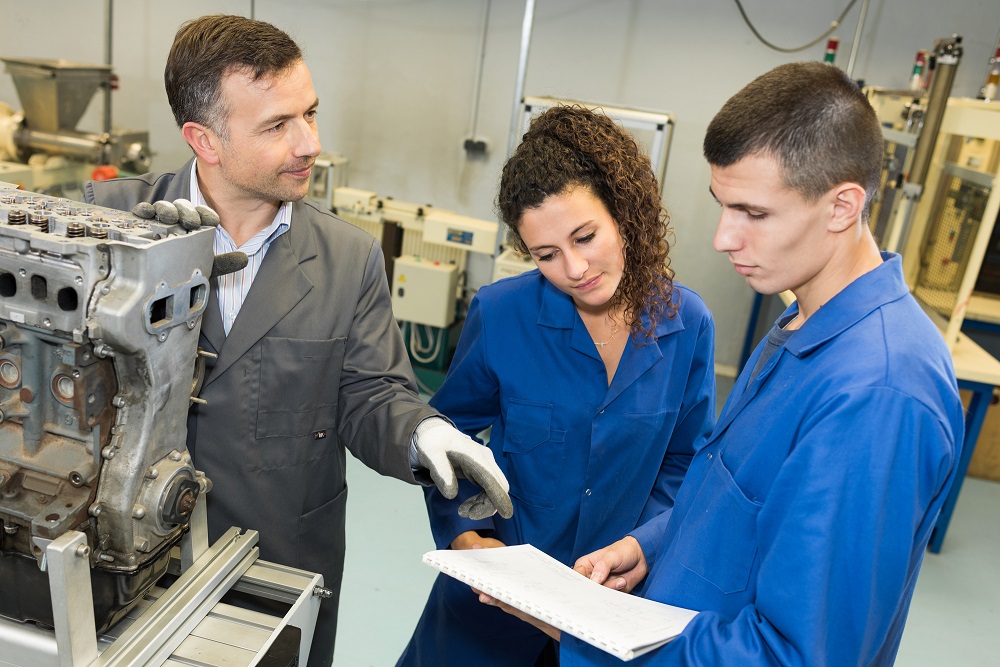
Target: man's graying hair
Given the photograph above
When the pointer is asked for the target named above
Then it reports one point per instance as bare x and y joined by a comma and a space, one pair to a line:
208, 48
812, 119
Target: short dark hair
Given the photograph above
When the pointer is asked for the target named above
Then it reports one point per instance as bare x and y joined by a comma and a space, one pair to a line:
208, 48
812, 119
571, 146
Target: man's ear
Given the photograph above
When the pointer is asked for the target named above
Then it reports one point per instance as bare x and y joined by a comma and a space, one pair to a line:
848, 204
202, 140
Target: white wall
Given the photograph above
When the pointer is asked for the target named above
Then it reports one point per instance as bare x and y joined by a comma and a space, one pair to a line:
396, 80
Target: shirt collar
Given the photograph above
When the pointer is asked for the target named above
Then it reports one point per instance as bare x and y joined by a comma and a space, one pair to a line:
282, 219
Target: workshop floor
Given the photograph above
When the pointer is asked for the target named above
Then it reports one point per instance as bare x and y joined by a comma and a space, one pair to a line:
953, 619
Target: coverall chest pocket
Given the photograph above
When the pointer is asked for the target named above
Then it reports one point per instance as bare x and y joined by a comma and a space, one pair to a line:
299, 384
718, 538
533, 452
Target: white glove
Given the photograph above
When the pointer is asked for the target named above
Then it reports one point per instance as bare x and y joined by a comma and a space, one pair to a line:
178, 211
447, 453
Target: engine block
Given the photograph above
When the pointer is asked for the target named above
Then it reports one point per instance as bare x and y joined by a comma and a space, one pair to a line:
99, 320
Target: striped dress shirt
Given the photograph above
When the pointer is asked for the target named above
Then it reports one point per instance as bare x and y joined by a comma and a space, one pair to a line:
232, 288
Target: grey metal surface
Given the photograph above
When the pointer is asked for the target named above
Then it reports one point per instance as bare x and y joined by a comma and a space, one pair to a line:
72, 601
187, 624
162, 627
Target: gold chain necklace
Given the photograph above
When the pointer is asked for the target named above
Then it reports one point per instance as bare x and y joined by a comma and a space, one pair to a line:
602, 343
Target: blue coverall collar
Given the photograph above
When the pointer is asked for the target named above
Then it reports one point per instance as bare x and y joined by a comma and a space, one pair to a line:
874, 289
558, 312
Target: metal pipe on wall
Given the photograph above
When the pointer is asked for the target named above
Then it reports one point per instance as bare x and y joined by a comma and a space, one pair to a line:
949, 52
522, 67
478, 86
108, 26
857, 39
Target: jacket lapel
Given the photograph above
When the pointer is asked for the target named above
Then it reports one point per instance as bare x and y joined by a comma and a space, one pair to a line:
280, 284
211, 322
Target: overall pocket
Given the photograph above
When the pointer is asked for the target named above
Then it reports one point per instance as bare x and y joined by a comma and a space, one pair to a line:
718, 538
534, 453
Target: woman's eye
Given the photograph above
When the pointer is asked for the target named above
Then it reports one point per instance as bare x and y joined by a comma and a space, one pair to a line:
586, 239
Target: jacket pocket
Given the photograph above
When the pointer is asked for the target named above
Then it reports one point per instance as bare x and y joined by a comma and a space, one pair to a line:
718, 538
299, 384
533, 453
321, 541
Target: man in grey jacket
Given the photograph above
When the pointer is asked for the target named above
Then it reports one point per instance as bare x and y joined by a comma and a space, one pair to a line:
309, 358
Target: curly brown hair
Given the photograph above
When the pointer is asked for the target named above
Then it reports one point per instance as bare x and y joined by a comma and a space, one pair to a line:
572, 146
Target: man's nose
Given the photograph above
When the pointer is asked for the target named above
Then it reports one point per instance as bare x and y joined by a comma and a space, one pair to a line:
726, 235
307, 141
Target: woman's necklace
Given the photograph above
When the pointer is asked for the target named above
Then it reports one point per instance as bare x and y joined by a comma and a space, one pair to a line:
602, 343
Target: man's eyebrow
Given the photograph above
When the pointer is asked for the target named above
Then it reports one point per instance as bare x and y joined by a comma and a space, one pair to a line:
274, 120
739, 206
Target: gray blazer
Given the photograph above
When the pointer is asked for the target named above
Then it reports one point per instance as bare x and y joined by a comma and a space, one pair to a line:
313, 363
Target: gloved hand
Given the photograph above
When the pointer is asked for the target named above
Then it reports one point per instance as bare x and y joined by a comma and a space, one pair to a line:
447, 453
191, 217
179, 211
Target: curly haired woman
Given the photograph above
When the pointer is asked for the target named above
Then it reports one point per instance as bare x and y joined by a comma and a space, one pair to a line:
595, 372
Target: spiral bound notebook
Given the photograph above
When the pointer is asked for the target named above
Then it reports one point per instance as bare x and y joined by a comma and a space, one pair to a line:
524, 577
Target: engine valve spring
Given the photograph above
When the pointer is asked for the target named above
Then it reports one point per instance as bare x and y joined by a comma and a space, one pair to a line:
39, 220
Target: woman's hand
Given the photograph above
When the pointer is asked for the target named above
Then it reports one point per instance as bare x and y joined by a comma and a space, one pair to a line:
541, 625
470, 539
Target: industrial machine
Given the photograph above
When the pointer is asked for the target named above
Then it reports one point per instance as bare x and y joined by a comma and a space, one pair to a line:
41, 148
99, 326
426, 251
329, 172
955, 224
941, 191
901, 113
